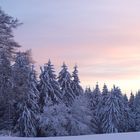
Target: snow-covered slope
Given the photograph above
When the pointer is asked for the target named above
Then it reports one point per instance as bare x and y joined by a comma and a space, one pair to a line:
120, 136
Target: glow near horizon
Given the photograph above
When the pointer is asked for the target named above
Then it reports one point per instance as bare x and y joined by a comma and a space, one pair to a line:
101, 36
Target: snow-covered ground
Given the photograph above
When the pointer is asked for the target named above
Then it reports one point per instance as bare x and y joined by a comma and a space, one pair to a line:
120, 136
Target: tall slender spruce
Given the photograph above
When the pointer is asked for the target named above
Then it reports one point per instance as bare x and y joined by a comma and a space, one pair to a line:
65, 82
76, 82
94, 107
49, 88
26, 96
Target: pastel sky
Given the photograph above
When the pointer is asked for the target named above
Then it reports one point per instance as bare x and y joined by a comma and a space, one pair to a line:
101, 36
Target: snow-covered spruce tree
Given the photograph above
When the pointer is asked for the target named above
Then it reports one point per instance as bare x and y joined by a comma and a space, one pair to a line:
102, 104
96, 110
132, 102
88, 95
123, 109
131, 105
65, 82
96, 97
7, 51
113, 118
137, 111
94, 107
76, 82
111, 115
88, 91
26, 96
129, 122
49, 88
104, 95
6, 110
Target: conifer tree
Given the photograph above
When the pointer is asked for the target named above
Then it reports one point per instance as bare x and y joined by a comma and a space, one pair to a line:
65, 82
105, 93
76, 83
7, 52
88, 93
102, 104
26, 96
113, 118
137, 111
111, 115
124, 126
49, 88
128, 121
94, 107
6, 103
131, 104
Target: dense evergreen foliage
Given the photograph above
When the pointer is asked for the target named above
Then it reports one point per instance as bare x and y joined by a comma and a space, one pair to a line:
48, 86
65, 82
56, 106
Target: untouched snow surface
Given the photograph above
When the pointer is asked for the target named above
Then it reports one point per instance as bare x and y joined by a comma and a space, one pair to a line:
120, 136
